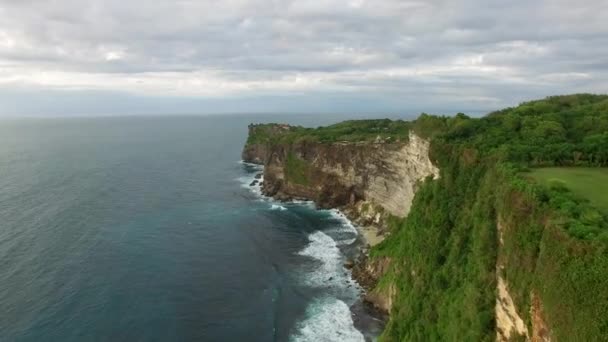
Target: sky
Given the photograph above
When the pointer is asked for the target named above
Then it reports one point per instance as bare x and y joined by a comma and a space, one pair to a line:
110, 57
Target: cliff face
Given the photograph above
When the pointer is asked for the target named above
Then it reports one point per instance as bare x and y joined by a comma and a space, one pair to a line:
256, 151
378, 174
486, 252
254, 154
370, 181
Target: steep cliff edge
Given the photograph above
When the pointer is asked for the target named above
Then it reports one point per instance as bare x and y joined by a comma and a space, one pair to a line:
334, 175
476, 249
369, 180
257, 146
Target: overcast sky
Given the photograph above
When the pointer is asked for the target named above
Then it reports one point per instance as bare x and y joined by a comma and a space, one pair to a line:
194, 56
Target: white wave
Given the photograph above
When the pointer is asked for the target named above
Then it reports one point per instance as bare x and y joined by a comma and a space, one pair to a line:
328, 319
277, 207
346, 227
246, 183
321, 247
306, 203
247, 180
331, 272
252, 165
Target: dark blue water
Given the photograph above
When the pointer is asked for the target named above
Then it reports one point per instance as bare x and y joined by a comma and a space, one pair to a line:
146, 229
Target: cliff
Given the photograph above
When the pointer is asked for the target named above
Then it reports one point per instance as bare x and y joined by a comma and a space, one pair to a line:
474, 248
370, 180
257, 147
335, 175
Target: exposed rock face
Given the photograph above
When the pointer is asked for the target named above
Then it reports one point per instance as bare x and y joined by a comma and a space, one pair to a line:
368, 180
258, 152
508, 322
371, 220
367, 273
254, 153
540, 330
340, 174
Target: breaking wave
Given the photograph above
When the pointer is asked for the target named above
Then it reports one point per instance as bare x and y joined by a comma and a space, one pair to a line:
328, 319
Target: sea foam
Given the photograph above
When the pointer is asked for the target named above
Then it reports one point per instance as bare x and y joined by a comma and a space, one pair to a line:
329, 272
248, 179
328, 319
346, 231
277, 207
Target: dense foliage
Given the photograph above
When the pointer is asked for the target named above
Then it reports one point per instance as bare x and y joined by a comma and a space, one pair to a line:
487, 216
585, 182
551, 243
384, 130
560, 130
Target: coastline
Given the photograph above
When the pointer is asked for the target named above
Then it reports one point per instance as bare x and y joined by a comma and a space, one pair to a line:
366, 316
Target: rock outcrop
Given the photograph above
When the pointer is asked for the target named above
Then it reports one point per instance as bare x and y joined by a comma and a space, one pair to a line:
256, 151
368, 272
508, 321
335, 175
369, 181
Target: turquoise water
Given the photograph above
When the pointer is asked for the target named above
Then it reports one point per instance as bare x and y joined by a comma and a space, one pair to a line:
146, 229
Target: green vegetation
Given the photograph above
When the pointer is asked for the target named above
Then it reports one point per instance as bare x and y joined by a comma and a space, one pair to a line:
552, 241
347, 131
555, 243
266, 133
589, 183
296, 170
359, 130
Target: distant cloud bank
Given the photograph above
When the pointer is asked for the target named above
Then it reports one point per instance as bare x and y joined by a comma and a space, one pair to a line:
69, 56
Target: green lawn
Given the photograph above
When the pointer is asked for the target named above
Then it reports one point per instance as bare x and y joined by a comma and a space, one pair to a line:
587, 182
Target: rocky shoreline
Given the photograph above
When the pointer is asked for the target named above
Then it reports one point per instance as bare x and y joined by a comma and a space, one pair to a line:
367, 315
370, 182
363, 272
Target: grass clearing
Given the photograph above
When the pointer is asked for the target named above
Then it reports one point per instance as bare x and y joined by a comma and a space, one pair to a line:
587, 182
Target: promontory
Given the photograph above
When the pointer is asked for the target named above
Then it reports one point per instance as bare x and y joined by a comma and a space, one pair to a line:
491, 228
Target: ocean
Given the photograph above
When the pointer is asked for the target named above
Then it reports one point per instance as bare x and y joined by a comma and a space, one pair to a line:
147, 229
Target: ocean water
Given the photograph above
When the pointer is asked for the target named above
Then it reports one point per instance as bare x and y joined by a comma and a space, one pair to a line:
147, 229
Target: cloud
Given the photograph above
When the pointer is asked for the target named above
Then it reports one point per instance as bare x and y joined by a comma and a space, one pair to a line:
435, 53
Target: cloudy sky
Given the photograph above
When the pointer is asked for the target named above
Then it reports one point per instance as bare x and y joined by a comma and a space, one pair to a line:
201, 56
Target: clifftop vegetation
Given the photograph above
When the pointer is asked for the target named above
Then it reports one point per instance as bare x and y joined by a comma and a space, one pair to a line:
347, 131
489, 216
486, 214
559, 130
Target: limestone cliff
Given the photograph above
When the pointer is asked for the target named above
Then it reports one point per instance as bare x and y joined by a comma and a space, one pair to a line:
486, 249
256, 150
359, 175
368, 180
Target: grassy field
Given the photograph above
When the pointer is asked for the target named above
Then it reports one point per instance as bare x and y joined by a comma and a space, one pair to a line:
587, 182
